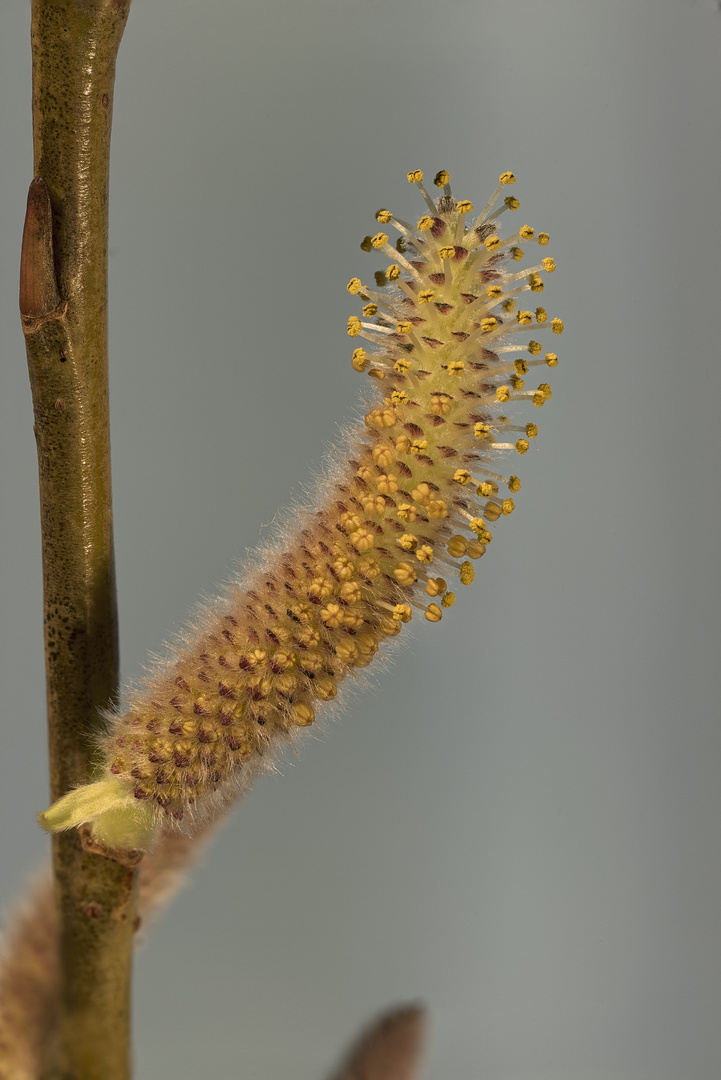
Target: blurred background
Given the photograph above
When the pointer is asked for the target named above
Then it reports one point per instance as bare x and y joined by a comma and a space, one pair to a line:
519, 826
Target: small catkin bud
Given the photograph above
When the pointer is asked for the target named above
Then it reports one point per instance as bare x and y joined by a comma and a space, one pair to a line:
421, 487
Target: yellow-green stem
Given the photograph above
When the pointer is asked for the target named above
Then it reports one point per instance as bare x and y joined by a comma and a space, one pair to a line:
63, 302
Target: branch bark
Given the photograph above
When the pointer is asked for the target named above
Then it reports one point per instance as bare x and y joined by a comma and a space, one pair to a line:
63, 304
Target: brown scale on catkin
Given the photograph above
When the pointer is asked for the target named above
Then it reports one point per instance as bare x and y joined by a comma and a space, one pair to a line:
450, 348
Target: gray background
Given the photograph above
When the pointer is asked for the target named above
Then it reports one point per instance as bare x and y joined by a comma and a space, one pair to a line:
520, 825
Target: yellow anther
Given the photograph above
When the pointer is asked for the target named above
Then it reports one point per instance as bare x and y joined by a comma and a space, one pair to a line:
557, 326
481, 431
326, 689
489, 325
440, 404
461, 476
551, 359
320, 588
346, 651
402, 613
549, 265
526, 232
407, 512
514, 484
541, 314
415, 176
360, 359
419, 446
536, 283
464, 206
408, 542
425, 223
508, 305
383, 216
456, 367
332, 616
531, 431
436, 586
521, 366
373, 504
370, 310
516, 253
447, 252
492, 511
467, 573
365, 244
521, 446
517, 382
379, 240
282, 633
369, 567
260, 684
393, 272
311, 664
424, 553
485, 489
404, 327
302, 714
507, 178
380, 418
402, 366
301, 612
353, 619
545, 390
367, 644
442, 178
354, 326
543, 238
524, 317
534, 347
492, 243
425, 296
362, 540
437, 510
387, 483
404, 574
508, 506
448, 600
403, 444
383, 456
433, 613
422, 494
475, 550
511, 202
343, 570
503, 393
478, 526
495, 292
457, 546
354, 286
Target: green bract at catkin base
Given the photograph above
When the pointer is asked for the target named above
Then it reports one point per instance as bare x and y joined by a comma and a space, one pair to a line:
449, 349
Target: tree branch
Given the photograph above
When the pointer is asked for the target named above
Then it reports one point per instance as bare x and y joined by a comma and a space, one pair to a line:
63, 303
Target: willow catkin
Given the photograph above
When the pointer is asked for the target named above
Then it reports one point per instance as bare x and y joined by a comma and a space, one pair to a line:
414, 508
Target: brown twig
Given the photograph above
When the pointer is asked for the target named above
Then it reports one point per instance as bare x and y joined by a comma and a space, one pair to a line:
63, 304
